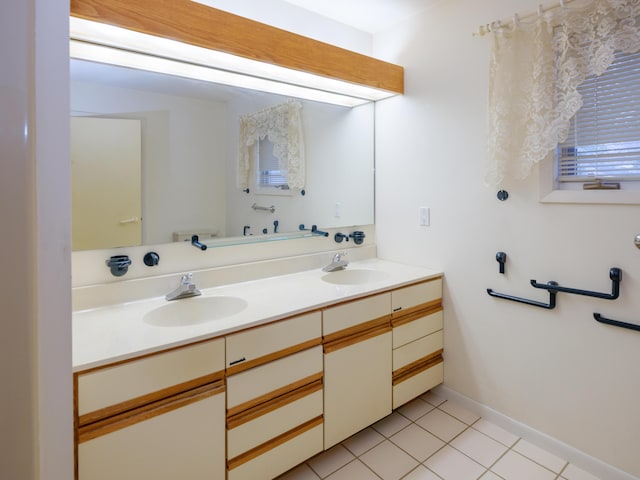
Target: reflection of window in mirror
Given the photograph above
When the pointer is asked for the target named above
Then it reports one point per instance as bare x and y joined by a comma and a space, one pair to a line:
270, 179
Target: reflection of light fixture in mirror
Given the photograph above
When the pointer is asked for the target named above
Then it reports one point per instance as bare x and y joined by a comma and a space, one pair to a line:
118, 46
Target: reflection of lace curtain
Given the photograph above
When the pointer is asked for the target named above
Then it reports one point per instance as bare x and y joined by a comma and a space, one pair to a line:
282, 125
535, 70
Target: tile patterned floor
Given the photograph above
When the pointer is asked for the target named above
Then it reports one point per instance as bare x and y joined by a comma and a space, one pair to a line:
431, 438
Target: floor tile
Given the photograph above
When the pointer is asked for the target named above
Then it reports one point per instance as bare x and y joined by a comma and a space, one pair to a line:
441, 424
391, 424
459, 412
417, 442
415, 409
574, 473
490, 476
514, 466
363, 441
301, 472
421, 473
331, 460
540, 456
450, 464
496, 432
355, 470
479, 447
389, 461
433, 398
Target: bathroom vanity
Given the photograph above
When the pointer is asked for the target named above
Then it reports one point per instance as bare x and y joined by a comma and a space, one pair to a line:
308, 360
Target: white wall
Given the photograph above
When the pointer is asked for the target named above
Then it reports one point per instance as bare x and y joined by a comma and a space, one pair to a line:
557, 371
36, 436
281, 14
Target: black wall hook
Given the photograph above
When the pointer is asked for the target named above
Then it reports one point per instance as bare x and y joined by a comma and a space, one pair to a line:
151, 259
552, 298
615, 274
501, 258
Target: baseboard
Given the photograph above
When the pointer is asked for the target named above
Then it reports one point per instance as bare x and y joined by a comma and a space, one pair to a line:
580, 459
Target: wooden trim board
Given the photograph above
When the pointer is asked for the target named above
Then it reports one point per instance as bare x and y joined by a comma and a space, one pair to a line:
196, 24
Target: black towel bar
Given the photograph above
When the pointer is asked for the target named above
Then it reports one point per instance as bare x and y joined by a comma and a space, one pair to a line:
615, 274
616, 323
550, 305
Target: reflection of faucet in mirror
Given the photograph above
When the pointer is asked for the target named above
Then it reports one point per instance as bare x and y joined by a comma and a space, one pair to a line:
337, 263
186, 289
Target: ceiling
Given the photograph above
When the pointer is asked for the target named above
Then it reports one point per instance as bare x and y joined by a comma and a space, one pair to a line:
367, 15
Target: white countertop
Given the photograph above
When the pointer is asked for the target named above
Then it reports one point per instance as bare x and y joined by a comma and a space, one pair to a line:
117, 332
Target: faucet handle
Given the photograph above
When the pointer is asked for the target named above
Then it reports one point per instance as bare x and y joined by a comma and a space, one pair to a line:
186, 278
338, 256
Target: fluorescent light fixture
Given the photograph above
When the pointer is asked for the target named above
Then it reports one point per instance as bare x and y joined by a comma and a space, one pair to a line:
103, 43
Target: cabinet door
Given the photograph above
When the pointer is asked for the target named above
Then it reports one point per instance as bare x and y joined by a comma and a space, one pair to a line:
357, 389
181, 440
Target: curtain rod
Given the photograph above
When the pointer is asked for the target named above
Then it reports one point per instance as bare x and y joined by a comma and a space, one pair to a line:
498, 24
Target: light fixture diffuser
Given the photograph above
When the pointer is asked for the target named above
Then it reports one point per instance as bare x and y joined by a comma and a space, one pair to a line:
118, 46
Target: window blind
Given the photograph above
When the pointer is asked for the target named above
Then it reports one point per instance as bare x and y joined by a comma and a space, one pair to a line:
604, 138
269, 173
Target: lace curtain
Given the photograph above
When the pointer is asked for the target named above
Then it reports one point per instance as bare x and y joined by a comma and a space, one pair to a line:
535, 69
282, 125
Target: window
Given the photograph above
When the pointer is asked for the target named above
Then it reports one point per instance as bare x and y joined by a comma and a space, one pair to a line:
270, 178
604, 136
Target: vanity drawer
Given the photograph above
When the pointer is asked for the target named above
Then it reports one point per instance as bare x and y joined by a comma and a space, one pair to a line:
351, 314
125, 382
251, 429
412, 386
261, 344
406, 298
416, 350
423, 325
283, 454
260, 384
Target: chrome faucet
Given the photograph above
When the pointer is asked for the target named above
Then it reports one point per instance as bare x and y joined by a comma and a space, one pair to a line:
186, 288
337, 263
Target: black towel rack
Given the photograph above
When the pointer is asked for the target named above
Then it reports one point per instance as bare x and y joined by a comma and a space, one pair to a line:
615, 323
615, 274
549, 306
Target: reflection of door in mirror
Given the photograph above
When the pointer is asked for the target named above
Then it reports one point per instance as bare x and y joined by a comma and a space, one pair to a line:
106, 179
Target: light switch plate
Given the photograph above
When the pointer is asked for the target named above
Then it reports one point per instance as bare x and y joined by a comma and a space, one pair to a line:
425, 215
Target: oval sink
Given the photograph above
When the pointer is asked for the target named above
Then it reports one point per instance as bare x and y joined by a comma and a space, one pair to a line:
354, 276
193, 311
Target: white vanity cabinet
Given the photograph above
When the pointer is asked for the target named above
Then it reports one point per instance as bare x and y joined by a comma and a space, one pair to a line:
274, 397
357, 366
161, 416
417, 322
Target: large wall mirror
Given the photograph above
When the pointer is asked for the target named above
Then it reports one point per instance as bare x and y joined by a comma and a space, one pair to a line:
183, 180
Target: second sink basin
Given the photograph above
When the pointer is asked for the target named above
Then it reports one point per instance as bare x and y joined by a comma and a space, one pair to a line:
195, 310
354, 276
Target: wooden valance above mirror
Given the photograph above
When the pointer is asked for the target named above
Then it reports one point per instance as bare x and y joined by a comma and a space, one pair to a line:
203, 26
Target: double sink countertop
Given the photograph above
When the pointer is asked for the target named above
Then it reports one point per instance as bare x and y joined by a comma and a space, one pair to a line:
119, 332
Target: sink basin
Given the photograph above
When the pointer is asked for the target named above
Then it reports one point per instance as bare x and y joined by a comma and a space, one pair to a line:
194, 310
354, 276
